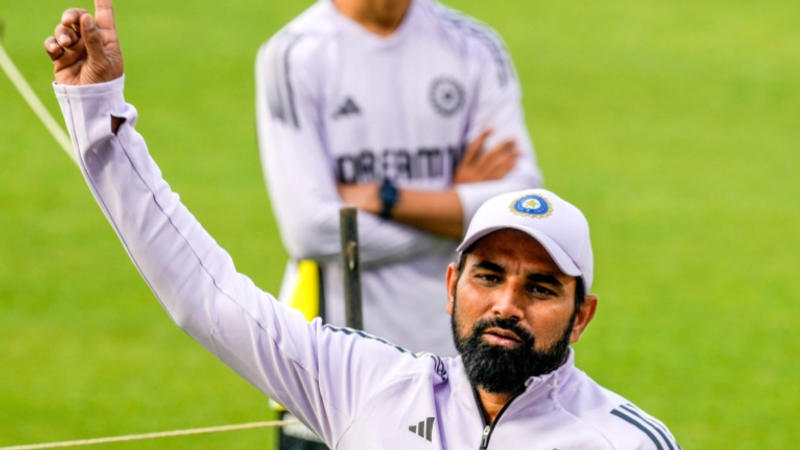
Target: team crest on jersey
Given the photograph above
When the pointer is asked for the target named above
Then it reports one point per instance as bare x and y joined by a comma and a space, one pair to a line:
532, 205
447, 95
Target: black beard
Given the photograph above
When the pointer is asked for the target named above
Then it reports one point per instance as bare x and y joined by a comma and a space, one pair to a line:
502, 370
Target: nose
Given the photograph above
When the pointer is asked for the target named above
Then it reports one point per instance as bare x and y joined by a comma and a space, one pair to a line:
507, 303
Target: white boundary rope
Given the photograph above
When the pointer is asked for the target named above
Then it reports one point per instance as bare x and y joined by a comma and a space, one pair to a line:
157, 435
36, 105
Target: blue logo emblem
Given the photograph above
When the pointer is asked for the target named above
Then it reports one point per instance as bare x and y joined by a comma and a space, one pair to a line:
532, 205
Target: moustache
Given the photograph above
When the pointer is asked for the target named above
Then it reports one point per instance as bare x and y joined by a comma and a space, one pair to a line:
507, 324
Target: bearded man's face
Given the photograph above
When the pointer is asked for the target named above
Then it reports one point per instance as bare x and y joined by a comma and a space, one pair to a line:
504, 369
513, 311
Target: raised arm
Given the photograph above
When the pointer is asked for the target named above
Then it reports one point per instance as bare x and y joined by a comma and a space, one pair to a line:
302, 365
299, 170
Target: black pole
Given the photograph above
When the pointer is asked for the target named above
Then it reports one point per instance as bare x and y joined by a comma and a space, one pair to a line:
351, 269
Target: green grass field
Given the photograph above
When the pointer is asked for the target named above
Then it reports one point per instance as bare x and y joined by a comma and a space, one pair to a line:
674, 125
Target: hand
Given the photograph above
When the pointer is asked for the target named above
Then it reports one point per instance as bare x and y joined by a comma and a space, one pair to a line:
492, 164
85, 50
365, 197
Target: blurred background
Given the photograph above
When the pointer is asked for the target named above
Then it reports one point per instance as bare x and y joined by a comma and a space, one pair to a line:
672, 124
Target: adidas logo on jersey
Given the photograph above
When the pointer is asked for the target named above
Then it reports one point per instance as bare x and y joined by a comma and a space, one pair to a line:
424, 429
347, 108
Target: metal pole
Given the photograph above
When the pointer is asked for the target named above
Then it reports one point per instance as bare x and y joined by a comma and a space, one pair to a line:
351, 268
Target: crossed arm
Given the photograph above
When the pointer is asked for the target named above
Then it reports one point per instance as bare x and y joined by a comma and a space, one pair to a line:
440, 212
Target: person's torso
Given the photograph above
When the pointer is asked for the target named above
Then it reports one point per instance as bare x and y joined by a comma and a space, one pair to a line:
398, 108
395, 107
440, 411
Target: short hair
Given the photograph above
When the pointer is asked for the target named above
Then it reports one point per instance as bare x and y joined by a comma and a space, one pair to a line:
580, 290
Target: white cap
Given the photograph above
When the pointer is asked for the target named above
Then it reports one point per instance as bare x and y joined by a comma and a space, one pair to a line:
556, 224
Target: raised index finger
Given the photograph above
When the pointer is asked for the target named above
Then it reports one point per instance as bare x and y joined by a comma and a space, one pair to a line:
104, 14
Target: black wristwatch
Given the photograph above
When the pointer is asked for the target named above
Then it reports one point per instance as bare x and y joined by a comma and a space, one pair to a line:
389, 196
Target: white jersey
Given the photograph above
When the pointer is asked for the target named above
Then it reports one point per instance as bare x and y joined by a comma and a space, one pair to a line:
338, 104
353, 390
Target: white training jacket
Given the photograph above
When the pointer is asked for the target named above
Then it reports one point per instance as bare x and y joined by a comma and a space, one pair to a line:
353, 390
338, 104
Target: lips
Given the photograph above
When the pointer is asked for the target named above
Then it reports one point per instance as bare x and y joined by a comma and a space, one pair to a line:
501, 336
501, 332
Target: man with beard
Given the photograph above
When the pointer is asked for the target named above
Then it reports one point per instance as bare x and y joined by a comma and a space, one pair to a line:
385, 105
516, 297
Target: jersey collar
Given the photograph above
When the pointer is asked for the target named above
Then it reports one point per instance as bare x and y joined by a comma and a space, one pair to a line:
384, 41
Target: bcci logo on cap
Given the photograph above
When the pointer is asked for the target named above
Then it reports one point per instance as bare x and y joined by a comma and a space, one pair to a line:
532, 205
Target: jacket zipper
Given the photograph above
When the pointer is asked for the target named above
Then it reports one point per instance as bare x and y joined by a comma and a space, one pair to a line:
488, 428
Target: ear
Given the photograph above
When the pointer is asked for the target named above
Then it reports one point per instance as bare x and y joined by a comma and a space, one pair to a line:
584, 316
452, 279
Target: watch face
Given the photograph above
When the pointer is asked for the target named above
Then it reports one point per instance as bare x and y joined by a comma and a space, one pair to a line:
389, 196
388, 192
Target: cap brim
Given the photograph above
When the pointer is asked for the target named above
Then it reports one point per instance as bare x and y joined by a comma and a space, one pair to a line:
560, 257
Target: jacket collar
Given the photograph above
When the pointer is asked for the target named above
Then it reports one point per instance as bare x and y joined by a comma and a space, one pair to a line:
535, 387
552, 380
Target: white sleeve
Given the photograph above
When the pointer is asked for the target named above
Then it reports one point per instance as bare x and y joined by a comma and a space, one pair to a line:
299, 169
497, 105
310, 368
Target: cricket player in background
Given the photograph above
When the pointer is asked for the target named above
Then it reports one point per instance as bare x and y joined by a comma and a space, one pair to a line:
409, 111
518, 297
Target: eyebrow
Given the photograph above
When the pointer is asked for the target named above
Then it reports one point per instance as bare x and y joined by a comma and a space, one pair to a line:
544, 278
538, 277
488, 265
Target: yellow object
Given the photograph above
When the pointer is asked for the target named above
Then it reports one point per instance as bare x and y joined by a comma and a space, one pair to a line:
305, 297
